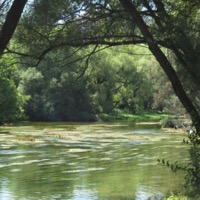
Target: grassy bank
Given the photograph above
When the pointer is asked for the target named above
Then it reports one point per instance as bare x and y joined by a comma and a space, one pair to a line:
177, 197
182, 197
122, 116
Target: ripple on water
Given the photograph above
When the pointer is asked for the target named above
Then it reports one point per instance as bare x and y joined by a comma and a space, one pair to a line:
6, 146
57, 162
78, 150
27, 162
3, 166
85, 170
145, 193
106, 152
15, 170
17, 152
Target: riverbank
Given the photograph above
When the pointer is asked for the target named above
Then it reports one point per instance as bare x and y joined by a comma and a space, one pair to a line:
175, 197
123, 116
181, 197
168, 122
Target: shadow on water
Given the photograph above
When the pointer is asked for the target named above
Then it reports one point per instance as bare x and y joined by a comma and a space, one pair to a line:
87, 161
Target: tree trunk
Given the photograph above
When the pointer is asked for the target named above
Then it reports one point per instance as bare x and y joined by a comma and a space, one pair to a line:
164, 63
11, 23
184, 53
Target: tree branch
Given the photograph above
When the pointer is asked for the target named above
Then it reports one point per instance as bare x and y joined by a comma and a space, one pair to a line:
11, 22
164, 63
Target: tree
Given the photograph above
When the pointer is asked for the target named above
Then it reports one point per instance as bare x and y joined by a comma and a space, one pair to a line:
11, 22
111, 23
164, 62
11, 100
60, 89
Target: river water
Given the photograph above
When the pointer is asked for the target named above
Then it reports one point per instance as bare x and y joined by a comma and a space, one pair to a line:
88, 161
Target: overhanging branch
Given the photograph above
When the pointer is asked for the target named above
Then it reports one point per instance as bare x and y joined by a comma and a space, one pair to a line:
11, 23
108, 41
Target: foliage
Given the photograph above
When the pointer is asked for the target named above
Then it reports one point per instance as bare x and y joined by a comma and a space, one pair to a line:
11, 101
170, 24
177, 197
80, 23
60, 89
192, 169
54, 94
193, 173
8, 99
172, 122
148, 116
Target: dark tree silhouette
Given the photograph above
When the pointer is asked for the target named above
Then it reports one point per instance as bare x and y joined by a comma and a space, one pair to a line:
11, 22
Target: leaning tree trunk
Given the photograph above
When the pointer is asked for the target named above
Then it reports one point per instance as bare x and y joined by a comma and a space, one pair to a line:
164, 63
11, 23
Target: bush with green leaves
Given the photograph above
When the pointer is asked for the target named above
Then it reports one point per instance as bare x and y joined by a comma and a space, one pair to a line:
191, 169
71, 88
11, 100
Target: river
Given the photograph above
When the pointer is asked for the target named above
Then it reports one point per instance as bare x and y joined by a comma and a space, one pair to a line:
88, 161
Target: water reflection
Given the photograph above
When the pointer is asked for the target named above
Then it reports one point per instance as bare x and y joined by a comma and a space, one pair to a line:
81, 192
5, 193
145, 193
79, 161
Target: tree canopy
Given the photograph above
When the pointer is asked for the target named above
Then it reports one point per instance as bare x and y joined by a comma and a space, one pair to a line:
49, 26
